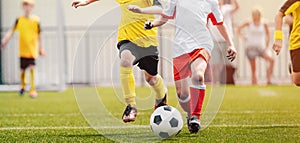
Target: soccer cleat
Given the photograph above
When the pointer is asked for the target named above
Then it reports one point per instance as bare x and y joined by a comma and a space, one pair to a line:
33, 94
194, 125
129, 114
161, 102
22, 92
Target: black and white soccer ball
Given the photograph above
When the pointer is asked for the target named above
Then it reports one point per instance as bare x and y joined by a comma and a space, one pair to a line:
166, 121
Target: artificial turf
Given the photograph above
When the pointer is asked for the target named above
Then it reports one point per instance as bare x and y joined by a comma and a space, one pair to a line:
247, 114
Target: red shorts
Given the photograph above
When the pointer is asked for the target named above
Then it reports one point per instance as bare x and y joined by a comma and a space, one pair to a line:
181, 64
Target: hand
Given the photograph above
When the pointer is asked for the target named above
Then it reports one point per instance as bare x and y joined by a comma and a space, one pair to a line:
78, 3
231, 53
42, 52
277, 46
148, 25
135, 9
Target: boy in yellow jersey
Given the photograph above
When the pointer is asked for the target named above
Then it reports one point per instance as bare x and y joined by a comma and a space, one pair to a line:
29, 30
136, 47
290, 7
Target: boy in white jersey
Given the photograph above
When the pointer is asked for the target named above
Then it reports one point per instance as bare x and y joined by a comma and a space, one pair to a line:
191, 50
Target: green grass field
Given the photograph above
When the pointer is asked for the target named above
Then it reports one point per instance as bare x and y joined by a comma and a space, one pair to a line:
248, 114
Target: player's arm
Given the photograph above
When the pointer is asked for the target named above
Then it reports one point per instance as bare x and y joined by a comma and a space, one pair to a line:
41, 47
240, 28
78, 3
146, 10
231, 49
286, 9
169, 12
278, 32
155, 9
156, 23
267, 35
217, 19
9, 34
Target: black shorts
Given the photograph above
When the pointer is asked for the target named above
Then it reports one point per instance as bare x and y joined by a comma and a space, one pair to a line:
295, 58
145, 58
26, 62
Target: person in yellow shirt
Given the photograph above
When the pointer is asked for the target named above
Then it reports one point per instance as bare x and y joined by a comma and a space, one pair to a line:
30, 45
290, 7
136, 47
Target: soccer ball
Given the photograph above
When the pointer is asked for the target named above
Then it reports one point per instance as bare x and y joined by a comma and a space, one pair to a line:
166, 121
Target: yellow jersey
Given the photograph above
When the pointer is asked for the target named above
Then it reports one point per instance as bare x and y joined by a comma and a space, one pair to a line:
29, 30
132, 24
293, 7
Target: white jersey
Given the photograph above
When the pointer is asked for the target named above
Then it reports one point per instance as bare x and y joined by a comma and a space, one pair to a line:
191, 17
256, 35
228, 16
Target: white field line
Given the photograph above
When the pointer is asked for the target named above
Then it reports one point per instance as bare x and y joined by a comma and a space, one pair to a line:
136, 127
142, 113
266, 92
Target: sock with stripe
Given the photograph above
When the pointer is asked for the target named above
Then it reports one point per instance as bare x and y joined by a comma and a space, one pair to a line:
185, 104
197, 97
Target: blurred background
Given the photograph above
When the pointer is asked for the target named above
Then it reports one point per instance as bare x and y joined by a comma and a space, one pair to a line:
64, 29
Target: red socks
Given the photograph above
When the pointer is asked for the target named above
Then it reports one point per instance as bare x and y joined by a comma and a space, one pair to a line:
197, 97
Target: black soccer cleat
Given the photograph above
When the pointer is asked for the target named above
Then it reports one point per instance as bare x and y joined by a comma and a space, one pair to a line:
129, 114
22, 92
161, 102
194, 125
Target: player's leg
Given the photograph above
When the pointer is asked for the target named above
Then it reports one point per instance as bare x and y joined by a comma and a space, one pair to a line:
197, 93
147, 60
128, 85
23, 82
295, 58
32, 92
253, 71
23, 66
270, 60
157, 85
183, 95
296, 78
182, 72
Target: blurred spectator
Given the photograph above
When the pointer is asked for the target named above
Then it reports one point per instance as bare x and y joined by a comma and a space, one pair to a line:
257, 39
218, 61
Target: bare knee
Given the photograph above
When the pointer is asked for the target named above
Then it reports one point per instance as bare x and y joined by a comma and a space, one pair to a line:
151, 80
296, 78
297, 82
127, 59
182, 95
126, 63
198, 78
